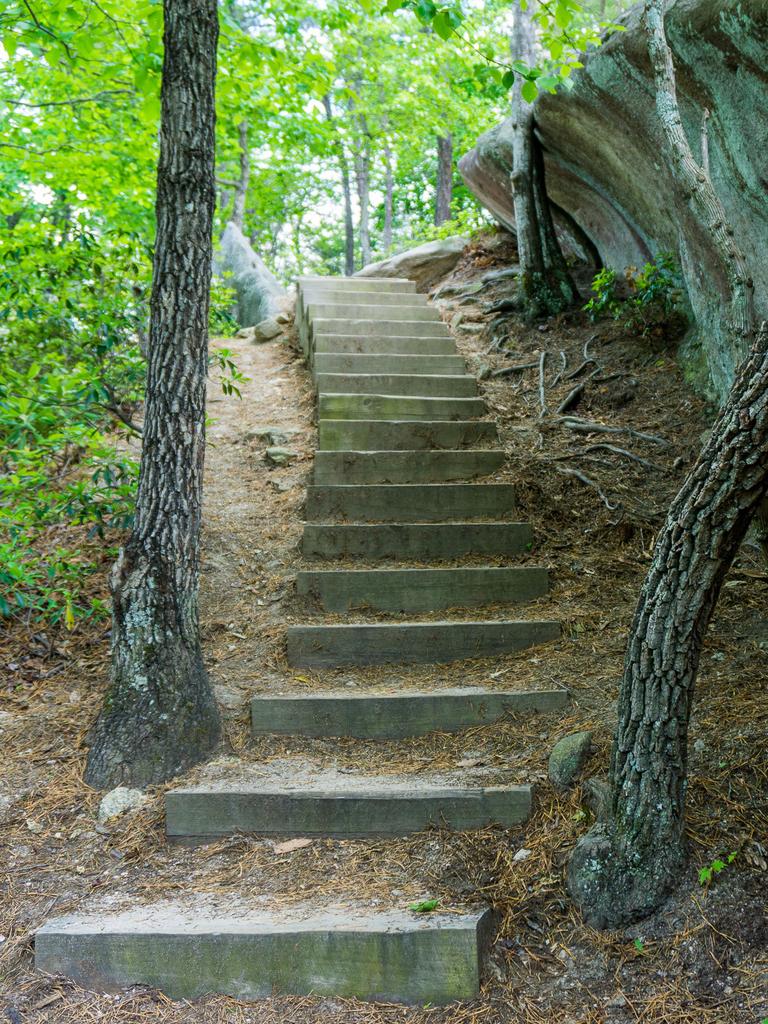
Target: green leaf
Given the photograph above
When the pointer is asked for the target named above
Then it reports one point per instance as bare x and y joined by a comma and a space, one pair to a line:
442, 25
529, 91
508, 79
424, 906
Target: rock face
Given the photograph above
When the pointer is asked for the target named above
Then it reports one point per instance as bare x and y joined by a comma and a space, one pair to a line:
425, 264
259, 294
119, 800
607, 169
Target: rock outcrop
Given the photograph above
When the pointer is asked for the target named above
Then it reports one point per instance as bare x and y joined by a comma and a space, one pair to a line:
426, 264
606, 164
259, 294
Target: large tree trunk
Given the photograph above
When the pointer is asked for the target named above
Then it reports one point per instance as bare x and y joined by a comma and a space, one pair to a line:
241, 185
159, 715
346, 190
444, 189
389, 189
628, 863
545, 283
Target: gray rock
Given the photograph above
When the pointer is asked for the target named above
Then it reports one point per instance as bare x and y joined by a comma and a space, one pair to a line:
273, 435
6, 803
277, 456
568, 758
120, 800
259, 293
266, 330
426, 264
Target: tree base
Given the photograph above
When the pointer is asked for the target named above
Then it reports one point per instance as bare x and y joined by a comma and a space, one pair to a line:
546, 294
149, 736
611, 892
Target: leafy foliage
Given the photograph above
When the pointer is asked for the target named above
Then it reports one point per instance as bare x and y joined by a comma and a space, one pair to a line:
643, 300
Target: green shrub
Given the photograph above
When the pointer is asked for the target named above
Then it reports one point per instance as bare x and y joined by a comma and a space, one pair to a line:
646, 299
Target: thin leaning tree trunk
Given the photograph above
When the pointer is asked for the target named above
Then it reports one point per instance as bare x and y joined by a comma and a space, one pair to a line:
346, 190
159, 714
444, 189
389, 188
241, 186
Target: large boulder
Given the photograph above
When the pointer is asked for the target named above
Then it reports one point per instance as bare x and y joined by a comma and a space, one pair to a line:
260, 295
426, 264
607, 169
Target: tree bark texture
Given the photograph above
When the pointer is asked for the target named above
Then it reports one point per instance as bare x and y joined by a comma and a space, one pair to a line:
444, 189
346, 190
241, 186
159, 714
625, 867
389, 190
545, 283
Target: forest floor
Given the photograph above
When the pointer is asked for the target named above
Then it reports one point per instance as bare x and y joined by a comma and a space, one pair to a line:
703, 959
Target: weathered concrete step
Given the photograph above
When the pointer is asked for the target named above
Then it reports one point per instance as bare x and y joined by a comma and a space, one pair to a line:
373, 362
421, 590
426, 386
425, 541
329, 309
381, 284
411, 642
398, 407
315, 802
362, 328
404, 435
393, 715
404, 467
400, 344
340, 296
224, 945
409, 502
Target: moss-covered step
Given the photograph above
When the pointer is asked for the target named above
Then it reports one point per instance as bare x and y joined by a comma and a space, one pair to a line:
381, 362
427, 541
409, 502
421, 590
242, 949
294, 798
363, 328
404, 435
398, 407
393, 715
391, 344
363, 643
329, 309
426, 385
405, 467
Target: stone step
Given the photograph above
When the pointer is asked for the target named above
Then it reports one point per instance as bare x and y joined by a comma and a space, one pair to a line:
294, 798
330, 309
217, 944
421, 590
404, 467
398, 407
409, 344
411, 642
362, 328
339, 362
404, 435
340, 296
380, 284
435, 386
418, 541
409, 502
393, 715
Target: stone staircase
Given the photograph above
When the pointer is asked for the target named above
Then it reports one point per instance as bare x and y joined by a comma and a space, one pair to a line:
401, 434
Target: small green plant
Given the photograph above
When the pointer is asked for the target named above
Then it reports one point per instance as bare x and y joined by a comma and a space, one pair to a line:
639, 945
229, 376
654, 295
222, 322
605, 298
707, 873
424, 906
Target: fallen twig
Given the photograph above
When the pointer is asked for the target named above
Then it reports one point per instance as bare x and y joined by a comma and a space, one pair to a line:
589, 483
590, 427
507, 370
574, 393
542, 401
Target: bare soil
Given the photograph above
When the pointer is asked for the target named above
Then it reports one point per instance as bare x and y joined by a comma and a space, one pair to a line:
702, 959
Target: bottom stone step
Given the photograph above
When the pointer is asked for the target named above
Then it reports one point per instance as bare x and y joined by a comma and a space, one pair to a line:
411, 642
194, 947
393, 715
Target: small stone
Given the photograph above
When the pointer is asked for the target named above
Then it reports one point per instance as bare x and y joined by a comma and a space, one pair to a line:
522, 854
266, 330
34, 827
284, 318
568, 758
617, 1001
120, 800
272, 435
230, 699
278, 456
699, 746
